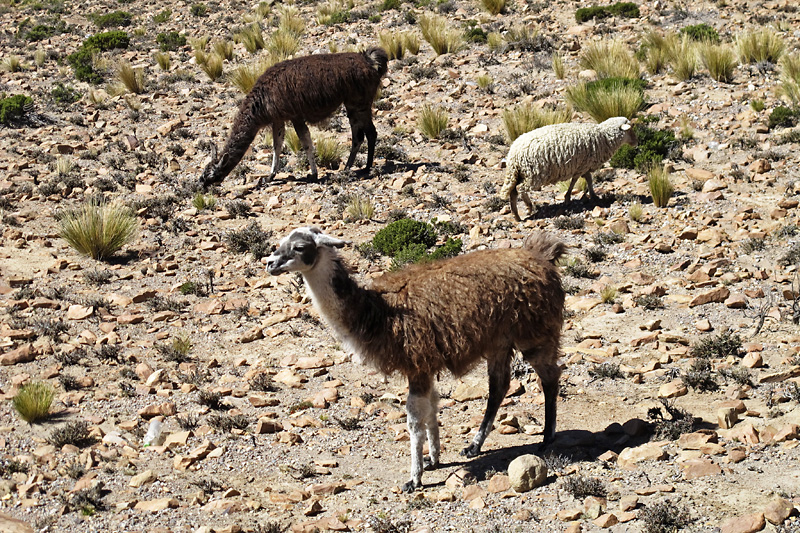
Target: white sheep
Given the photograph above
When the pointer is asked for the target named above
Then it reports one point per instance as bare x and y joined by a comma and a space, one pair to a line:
447, 315
561, 152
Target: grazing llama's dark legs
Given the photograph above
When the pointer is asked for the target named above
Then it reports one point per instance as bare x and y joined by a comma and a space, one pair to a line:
308, 145
548, 373
421, 419
499, 367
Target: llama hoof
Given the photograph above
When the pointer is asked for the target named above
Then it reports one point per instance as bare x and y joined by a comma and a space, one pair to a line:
429, 464
410, 486
471, 451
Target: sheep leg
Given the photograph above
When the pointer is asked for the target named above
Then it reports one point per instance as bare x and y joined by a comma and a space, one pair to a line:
499, 381
418, 408
589, 188
308, 145
548, 373
527, 200
569, 189
432, 430
512, 197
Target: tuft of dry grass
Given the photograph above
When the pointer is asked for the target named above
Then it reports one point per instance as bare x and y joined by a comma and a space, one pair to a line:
683, 58
245, 76
33, 401
618, 100
251, 38
223, 49
790, 78
718, 59
661, 188
98, 229
432, 121
282, 44
760, 45
526, 117
359, 208
609, 59
557, 62
494, 7
440, 34
329, 151
212, 66
131, 78
163, 60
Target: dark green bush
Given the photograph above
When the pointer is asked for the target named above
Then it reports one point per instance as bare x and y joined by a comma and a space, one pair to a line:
451, 248
115, 19
701, 32
64, 94
620, 9
783, 117
13, 108
403, 233
476, 35
163, 16
654, 145
170, 41
81, 60
199, 10
413, 253
390, 4
40, 32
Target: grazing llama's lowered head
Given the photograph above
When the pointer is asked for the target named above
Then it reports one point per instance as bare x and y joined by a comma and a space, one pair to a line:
300, 251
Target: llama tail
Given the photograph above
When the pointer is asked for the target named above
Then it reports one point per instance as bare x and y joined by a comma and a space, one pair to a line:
545, 245
378, 59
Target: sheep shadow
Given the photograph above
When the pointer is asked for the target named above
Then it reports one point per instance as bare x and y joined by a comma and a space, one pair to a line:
544, 211
570, 446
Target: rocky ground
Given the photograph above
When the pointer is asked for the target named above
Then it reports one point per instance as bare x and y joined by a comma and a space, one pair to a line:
268, 423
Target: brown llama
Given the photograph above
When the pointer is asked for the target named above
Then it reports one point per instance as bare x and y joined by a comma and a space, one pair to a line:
305, 90
449, 314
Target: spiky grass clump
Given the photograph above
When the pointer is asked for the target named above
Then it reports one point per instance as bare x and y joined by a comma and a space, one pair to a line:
790, 78
526, 117
292, 141
98, 229
605, 100
244, 77
485, 82
608, 294
660, 185
223, 49
283, 44
495, 41
635, 211
33, 401
495, 7
762, 45
12, 63
359, 208
251, 38
610, 59
683, 58
291, 21
201, 201
334, 12
131, 78
398, 43
439, 33
212, 66
329, 151
557, 62
163, 60
719, 60
432, 121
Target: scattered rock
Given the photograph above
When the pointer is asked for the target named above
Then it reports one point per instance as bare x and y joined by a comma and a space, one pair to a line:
527, 472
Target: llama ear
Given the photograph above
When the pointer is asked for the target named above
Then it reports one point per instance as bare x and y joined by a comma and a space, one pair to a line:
625, 127
326, 240
214, 152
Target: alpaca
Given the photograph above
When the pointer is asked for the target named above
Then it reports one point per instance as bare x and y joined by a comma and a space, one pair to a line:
306, 89
449, 314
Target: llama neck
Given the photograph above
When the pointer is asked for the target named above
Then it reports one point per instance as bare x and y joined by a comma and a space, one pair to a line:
357, 314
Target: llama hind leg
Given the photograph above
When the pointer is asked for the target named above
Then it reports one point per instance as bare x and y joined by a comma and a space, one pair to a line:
499, 380
548, 371
418, 408
308, 145
432, 430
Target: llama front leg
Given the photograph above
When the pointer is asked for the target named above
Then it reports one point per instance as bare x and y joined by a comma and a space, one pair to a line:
308, 145
418, 409
499, 380
278, 134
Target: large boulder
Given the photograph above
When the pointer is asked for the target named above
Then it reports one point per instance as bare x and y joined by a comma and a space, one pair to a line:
527, 472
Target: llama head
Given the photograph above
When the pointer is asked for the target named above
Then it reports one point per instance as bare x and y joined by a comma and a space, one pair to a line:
210, 175
300, 250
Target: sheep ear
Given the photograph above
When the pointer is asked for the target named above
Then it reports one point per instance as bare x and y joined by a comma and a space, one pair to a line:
625, 127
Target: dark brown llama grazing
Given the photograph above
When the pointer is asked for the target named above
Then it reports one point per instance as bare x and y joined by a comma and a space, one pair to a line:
305, 90
449, 314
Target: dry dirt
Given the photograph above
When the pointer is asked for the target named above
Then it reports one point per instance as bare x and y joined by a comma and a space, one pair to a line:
327, 447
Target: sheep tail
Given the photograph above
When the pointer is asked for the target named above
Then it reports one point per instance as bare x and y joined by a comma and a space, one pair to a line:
546, 246
378, 59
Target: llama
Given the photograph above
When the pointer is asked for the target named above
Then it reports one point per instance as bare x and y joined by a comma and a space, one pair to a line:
449, 314
306, 89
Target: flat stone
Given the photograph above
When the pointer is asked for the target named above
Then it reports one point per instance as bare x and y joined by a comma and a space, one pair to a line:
673, 389
697, 468
9, 524
745, 433
752, 360
736, 301
744, 524
162, 409
23, 354
606, 520
79, 312
778, 510
148, 476
154, 506
787, 432
717, 295
646, 452
499, 483
465, 392
694, 441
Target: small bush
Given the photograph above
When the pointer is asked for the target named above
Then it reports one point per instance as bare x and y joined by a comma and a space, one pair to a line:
169, 42
679, 422
238, 208
580, 487
64, 94
569, 223
82, 61
329, 151
700, 376
683, 58
664, 517
211, 399
75, 433
619, 9
719, 346
649, 302
228, 422
403, 233
33, 401
162, 16
212, 66
115, 19
654, 145
701, 33
494, 7
790, 78
199, 10
12, 108
783, 117
606, 370
250, 239
98, 229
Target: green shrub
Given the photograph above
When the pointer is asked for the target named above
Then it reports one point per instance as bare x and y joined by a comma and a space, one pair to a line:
163, 16
170, 41
82, 61
41, 32
64, 94
701, 32
654, 145
199, 10
620, 9
783, 117
451, 248
32, 402
13, 108
115, 19
107, 41
402, 233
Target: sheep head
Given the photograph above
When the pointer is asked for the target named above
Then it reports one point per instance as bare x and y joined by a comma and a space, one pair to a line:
299, 251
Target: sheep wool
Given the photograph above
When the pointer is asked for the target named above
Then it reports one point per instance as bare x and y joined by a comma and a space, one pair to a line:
561, 152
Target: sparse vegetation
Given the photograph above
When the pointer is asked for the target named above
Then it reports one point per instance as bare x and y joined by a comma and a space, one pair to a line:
526, 117
98, 229
660, 185
432, 121
33, 401
250, 239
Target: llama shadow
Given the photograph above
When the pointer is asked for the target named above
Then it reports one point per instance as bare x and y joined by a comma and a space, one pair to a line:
570, 446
